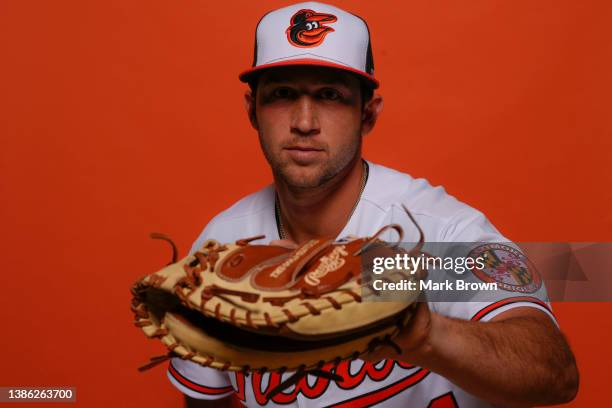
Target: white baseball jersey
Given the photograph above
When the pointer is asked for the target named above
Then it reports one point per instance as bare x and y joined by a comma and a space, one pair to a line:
388, 383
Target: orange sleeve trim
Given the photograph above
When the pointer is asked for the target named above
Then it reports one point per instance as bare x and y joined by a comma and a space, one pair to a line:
202, 389
519, 299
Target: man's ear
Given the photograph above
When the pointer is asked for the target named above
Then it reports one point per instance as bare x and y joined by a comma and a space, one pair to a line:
370, 113
249, 104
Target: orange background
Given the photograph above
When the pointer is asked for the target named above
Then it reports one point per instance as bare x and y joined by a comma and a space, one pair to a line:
119, 118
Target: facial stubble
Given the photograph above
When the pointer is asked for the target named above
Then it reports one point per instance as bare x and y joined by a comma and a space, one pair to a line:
331, 168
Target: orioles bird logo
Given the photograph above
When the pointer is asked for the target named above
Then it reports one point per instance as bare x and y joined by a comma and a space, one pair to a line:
308, 28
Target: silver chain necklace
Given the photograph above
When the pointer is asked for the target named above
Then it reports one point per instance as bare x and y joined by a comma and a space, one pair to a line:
279, 221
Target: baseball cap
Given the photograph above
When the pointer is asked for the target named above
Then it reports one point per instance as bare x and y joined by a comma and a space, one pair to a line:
313, 34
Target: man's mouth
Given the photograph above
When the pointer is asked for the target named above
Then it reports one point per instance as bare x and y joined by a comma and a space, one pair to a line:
304, 148
304, 154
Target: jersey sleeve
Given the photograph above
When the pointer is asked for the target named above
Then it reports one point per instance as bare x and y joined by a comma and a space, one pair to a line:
510, 279
208, 231
197, 381
191, 378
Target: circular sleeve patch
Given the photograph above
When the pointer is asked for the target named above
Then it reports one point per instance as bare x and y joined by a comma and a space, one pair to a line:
508, 267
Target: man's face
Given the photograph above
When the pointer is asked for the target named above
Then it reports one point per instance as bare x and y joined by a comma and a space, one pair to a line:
309, 121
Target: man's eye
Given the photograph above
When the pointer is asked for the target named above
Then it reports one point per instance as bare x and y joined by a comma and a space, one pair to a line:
282, 93
329, 94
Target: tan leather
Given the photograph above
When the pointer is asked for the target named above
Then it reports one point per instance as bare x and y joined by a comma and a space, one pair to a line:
309, 294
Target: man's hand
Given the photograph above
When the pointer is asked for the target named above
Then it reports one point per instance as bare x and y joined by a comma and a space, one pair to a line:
519, 358
411, 340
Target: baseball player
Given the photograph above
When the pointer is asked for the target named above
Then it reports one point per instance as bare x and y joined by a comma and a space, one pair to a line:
312, 100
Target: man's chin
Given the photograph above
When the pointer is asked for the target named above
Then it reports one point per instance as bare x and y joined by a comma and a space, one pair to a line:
303, 182
302, 178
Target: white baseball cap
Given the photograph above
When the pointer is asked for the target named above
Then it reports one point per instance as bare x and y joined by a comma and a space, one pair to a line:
313, 34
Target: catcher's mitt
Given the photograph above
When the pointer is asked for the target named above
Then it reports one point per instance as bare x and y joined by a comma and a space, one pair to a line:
245, 307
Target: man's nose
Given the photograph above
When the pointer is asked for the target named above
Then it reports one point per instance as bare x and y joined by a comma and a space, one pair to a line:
304, 120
